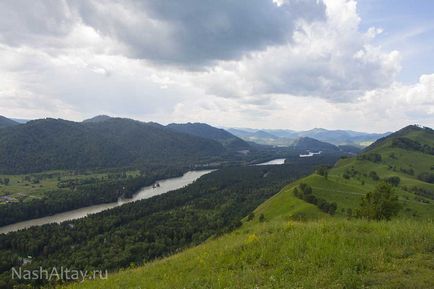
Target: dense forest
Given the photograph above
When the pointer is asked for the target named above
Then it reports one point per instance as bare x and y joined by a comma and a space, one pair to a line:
151, 228
73, 194
204, 130
49, 144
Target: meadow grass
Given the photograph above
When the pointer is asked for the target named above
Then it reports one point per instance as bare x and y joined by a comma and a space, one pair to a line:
326, 253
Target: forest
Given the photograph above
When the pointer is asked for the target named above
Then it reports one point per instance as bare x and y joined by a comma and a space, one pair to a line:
73, 194
135, 233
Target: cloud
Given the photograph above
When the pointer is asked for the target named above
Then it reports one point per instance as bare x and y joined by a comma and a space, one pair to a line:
35, 23
285, 64
196, 32
331, 60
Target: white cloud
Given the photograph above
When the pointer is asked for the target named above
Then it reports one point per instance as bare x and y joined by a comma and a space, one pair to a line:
126, 58
331, 60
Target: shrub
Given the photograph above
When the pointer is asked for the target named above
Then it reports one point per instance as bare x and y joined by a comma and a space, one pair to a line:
394, 181
323, 171
373, 175
381, 204
423, 192
304, 192
426, 177
372, 157
408, 171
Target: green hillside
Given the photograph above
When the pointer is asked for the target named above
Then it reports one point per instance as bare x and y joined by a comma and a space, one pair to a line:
56, 144
352, 178
281, 252
296, 245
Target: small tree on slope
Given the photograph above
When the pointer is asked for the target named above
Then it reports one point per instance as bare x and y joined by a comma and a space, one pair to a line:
381, 204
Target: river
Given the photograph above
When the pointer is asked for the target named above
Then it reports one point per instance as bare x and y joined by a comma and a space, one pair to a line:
272, 162
144, 193
166, 185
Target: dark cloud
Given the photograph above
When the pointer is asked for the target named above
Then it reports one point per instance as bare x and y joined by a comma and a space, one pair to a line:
196, 32
32, 22
188, 33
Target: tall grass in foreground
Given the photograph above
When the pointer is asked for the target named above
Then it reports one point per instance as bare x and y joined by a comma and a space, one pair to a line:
329, 253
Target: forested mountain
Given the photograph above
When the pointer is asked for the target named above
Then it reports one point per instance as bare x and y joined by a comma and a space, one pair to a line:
304, 144
98, 118
296, 230
48, 144
287, 137
5, 122
209, 132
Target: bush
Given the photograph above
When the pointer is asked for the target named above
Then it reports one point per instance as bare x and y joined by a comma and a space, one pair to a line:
394, 181
381, 204
304, 192
374, 176
408, 171
323, 171
423, 192
426, 177
372, 157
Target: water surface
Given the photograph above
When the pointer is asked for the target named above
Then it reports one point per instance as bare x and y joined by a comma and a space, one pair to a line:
144, 193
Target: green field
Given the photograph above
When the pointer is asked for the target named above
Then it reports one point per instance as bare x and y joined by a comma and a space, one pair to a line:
30, 186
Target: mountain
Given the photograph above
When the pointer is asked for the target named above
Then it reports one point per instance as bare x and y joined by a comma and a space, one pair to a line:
341, 137
262, 137
206, 131
98, 118
282, 133
6, 122
49, 144
291, 240
286, 137
20, 120
405, 158
305, 144
250, 134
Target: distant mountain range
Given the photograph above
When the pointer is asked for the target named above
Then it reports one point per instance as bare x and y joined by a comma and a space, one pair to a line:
5, 122
105, 142
282, 137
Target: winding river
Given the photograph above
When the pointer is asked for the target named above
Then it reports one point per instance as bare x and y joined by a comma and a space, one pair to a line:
165, 186
146, 192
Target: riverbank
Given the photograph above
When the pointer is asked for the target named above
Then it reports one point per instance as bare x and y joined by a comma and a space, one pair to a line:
144, 193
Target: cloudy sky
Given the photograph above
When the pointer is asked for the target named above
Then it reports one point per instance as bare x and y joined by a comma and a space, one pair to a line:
363, 65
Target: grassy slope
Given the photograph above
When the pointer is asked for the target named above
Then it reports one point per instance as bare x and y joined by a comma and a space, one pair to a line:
283, 253
321, 252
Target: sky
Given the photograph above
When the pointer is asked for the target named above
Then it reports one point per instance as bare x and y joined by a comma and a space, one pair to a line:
364, 65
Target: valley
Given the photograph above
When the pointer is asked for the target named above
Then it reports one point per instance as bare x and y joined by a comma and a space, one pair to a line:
268, 144
150, 215
164, 186
290, 243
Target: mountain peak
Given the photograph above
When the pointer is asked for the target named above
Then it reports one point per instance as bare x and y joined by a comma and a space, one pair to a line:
98, 118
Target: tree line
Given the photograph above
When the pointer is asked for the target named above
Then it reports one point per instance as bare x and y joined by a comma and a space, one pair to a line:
137, 232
